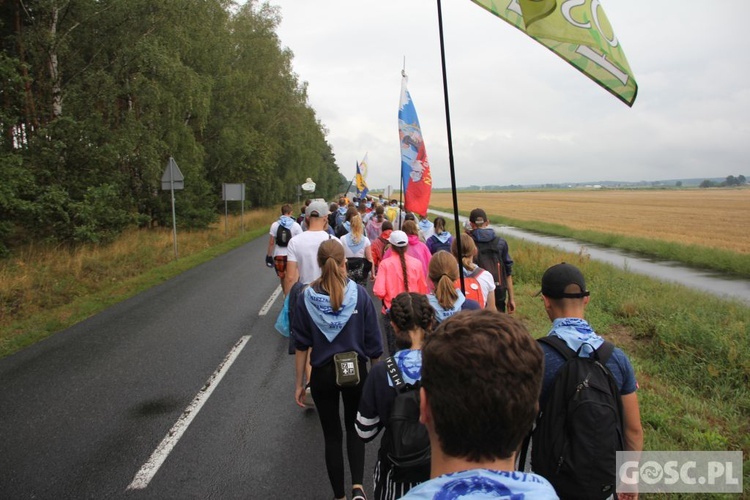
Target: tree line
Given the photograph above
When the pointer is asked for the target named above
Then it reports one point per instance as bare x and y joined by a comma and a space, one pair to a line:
731, 180
96, 95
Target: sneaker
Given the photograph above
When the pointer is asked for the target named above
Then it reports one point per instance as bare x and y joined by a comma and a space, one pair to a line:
358, 494
308, 397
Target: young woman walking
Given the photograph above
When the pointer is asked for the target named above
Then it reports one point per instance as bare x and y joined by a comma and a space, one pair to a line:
357, 252
447, 300
474, 273
336, 316
397, 272
412, 316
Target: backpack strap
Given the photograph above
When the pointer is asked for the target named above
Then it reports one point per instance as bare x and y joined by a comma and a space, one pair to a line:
394, 373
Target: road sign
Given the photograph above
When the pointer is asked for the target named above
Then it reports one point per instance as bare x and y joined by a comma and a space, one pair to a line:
172, 178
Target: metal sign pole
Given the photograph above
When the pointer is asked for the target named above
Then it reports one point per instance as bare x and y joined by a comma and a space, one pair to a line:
174, 216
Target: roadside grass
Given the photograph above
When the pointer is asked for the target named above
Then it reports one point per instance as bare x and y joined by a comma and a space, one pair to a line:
692, 255
690, 350
46, 289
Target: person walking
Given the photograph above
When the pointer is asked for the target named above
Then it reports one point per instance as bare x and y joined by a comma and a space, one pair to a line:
357, 251
473, 274
446, 299
397, 272
336, 318
416, 248
280, 234
441, 239
493, 256
412, 317
380, 245
481, 372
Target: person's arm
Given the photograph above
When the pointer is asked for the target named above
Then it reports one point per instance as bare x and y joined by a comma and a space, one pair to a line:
511, 304
291, 276
368, 256
269, 251
300, 362
490, 302
631, 416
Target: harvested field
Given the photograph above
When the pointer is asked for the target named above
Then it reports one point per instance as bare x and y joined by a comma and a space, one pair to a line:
715, 218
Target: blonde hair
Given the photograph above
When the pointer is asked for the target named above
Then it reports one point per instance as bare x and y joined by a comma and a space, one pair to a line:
357, 229
468, 249
332, 279
443, 273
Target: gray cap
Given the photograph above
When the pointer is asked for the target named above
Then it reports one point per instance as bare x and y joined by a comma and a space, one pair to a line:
317, 209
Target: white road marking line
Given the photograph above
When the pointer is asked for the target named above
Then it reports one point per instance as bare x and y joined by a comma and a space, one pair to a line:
151, 467
264, 310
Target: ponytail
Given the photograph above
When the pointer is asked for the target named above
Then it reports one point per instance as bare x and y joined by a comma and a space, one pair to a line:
443, 273
332, 279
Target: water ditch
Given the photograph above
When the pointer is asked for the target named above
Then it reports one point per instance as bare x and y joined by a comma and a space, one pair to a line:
715, 283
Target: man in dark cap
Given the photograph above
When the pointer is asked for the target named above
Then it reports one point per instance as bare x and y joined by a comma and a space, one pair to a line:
493, 256
565, 298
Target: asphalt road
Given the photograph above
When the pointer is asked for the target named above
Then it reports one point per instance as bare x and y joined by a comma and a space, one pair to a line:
192, 361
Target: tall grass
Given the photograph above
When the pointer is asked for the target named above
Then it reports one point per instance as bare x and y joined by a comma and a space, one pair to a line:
44, 289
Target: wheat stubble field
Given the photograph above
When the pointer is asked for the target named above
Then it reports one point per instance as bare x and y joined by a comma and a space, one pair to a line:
714, 218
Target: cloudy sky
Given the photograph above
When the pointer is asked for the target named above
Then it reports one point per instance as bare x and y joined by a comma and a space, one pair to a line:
520, 114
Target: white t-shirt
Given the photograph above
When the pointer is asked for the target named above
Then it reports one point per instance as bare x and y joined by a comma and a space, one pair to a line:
277, 250
348, 252
303, 249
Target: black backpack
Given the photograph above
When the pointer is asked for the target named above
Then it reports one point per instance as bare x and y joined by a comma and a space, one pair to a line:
488, 258
406, 443
283, 235
579, 429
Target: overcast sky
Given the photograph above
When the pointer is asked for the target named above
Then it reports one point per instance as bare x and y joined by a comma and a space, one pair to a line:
520, 114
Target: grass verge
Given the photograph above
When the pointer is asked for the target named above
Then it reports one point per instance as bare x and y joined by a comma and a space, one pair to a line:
46, 290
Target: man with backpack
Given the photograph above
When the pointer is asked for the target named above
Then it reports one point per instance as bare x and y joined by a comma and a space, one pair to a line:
493, 256
279, 235
588, 404
481, 374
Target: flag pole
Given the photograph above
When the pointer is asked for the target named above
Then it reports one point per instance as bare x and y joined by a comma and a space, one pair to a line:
450, 146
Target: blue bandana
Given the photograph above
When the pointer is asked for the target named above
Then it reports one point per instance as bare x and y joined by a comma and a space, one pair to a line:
348, 226
286, 221
354, 247
425, 224
443, 237
342, 210
443, 314
328, 321
577, 332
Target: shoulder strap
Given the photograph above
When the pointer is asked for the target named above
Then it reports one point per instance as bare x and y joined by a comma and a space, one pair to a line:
605, 351
394, 373
558, 345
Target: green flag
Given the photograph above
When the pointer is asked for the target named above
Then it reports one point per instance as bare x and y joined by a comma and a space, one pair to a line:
579, 32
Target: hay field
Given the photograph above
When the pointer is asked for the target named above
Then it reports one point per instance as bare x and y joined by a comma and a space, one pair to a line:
714, 218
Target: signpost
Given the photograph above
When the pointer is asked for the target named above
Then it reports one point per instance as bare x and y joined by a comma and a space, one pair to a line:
233, 192
171, 180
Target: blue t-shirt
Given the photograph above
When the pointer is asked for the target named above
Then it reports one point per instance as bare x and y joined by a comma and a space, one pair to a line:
484, 483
